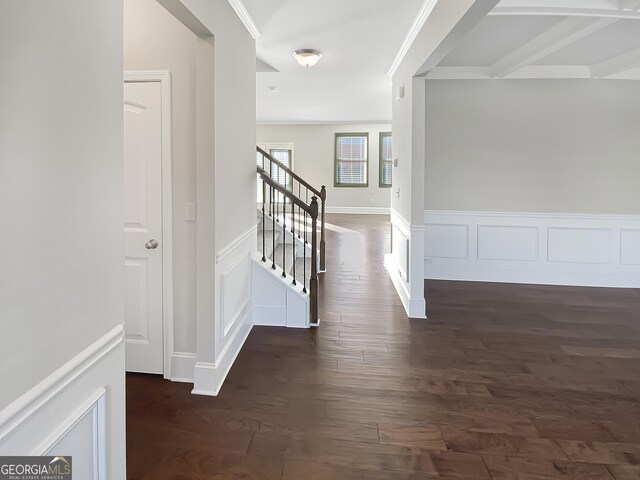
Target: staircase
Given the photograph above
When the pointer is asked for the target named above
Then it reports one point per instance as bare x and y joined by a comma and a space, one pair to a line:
290, 246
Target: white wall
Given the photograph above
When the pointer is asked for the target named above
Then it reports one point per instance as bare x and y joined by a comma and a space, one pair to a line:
314, 156
533, 181
61, 211
155, 40
225, 185
407, 114
544, 146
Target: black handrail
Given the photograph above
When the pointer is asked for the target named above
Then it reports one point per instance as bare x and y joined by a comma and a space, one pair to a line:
289, 171
272, 183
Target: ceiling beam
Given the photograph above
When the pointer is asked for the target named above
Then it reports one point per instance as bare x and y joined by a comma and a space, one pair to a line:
612, 66
568, 11
629, 5
475, 14
559, 36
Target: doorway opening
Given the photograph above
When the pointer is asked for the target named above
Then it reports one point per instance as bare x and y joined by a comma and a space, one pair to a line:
168, 90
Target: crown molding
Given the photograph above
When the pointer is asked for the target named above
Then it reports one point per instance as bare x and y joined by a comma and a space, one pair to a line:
242, 12
416, 26
565, 11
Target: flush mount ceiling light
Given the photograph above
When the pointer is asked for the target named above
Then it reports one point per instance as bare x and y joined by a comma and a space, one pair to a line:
307, 57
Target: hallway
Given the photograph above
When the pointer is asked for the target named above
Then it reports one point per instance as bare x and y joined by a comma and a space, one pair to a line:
501, 382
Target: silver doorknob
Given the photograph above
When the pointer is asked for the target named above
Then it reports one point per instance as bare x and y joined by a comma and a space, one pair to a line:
151, 244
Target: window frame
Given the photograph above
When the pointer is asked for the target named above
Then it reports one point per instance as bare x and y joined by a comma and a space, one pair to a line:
381, 161
338, 184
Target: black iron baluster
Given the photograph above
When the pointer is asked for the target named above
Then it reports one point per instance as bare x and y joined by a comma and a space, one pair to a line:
264, 199
299, 209
278, 193
305, 217
273, 233
293, 216
284, 239
293, 241
270, 189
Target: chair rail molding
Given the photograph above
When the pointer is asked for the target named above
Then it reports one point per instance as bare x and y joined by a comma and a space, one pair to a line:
78, 410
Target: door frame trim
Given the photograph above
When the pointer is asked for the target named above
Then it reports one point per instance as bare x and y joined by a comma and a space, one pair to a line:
164, 77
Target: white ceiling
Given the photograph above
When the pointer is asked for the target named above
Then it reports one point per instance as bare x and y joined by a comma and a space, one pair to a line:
359, 40
550, 39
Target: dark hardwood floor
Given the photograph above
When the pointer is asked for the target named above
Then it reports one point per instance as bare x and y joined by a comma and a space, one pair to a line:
502, 382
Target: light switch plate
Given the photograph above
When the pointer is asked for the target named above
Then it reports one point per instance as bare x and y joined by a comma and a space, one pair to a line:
395, 162
190, 212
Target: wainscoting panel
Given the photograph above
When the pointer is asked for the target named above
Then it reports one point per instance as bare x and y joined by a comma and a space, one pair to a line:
630, 247
563, 249
235, 285
77, 411
85, 434
580, 245
233, 312
400, 251
447, 241
507, 242
405, 263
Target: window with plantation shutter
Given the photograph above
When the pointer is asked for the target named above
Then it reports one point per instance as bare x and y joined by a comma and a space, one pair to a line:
352, 160
386, 159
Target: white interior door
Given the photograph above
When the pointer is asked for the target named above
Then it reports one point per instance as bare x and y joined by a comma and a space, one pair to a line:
143, 226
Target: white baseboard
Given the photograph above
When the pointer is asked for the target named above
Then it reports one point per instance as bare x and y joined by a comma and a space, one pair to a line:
209, 377
554, 249
359, 210
182, 367
78, 410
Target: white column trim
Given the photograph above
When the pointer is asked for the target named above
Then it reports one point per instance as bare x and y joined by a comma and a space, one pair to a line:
411, 289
